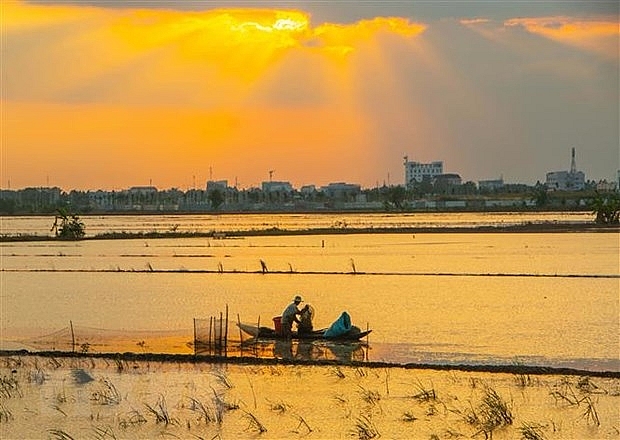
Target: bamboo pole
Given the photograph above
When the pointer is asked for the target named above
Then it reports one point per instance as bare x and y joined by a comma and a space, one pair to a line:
367, 340
210, 326
240, 336
195, 342
226, 334
220, 336
256, 338
72, 337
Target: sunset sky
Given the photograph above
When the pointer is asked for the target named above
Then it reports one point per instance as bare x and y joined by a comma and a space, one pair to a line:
111, 94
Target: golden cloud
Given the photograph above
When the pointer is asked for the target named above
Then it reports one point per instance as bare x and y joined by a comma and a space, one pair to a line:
596, 35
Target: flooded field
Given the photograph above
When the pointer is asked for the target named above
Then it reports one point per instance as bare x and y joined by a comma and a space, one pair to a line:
449, 300
537, 299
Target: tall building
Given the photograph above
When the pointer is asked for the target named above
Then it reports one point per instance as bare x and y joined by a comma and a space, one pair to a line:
417, 171
572, 180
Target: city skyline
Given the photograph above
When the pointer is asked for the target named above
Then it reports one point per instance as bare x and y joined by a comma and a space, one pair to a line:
105, 95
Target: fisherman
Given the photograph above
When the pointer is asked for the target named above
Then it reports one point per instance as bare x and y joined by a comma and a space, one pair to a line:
305, 320
290, 315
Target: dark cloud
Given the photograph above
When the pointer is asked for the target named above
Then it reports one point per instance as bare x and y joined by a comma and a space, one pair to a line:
347, 11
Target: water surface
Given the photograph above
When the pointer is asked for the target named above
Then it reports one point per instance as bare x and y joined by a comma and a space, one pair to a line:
542, 299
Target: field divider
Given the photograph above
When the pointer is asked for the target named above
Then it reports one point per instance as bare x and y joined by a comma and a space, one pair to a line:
310, 272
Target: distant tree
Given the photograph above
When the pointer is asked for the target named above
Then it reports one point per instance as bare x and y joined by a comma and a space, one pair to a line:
540, 196
7, 206
216, 198
606, 207
68, 226
395, 197
423, 188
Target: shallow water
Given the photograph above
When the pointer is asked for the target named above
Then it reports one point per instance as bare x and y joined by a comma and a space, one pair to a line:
543, 299
204, 223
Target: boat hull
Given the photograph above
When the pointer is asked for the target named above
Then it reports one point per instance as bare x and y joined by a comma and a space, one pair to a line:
317, 335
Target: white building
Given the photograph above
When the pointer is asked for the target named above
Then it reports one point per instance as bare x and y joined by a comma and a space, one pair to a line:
572, 180
283, 187
417, 171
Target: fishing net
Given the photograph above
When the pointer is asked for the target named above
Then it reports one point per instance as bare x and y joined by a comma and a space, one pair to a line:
82, 339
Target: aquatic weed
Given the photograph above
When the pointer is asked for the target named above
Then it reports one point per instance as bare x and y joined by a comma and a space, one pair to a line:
493, 412
254, 424
133, 418
408, 417
279, 407
204, 411
302, 422
337, 372
106, 394
532, 431
369, 396
103, 432
160, 411
424, 394
590, 413
59, 434
5, 414
9, 387
364, 428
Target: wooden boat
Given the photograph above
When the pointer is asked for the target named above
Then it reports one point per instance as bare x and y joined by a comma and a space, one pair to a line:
354, 334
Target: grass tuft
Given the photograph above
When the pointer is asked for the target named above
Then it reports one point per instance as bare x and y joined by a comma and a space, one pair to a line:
337, 372
302, 422
364, 428
5, 414
9, 387
424, 394
222, 378
278, 407
369, 396
590, 413
254, 424
133, 418
104, 432
59, 434
493, 412
532, 431
408, 417
160, 411
107, 394
204, 411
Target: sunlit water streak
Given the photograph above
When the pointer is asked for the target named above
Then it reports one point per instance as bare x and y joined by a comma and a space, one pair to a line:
544, 299
205, 223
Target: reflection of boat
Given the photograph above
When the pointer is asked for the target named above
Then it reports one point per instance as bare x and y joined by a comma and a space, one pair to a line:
353, 334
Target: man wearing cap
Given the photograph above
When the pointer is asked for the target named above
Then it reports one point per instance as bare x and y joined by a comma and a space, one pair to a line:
290, 315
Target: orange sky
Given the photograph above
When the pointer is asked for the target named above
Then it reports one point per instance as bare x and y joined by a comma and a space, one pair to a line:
113, 97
